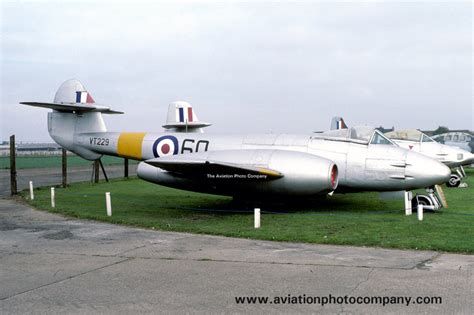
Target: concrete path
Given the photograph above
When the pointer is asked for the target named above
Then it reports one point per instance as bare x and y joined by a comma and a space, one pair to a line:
51, 264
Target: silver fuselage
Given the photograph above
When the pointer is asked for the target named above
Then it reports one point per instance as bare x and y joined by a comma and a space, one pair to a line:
359, 159
362, 167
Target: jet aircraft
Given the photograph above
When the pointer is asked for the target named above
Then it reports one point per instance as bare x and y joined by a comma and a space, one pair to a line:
453, 157
462, 140
418, 141
352, 160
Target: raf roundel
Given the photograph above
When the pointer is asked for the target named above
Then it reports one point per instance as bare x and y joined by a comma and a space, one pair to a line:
164, 146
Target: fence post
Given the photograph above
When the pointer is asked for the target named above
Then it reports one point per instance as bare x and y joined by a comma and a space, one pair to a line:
256, 218
420, 212
108, 204
13, 185
96, 171
408, 198
64, 167
53, 203
32, 194
125, 167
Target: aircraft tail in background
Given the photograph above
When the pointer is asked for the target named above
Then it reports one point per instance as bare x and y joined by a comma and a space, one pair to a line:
181, 118
338, 123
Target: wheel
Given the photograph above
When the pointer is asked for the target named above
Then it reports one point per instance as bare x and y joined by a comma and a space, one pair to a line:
454, 181
421, 200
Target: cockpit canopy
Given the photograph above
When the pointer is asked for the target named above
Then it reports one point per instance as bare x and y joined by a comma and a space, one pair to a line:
409, 135
358, 134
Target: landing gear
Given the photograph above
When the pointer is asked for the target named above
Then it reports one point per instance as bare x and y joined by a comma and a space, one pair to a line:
421, 200
456, 177
429, 202
461, 170
454, 181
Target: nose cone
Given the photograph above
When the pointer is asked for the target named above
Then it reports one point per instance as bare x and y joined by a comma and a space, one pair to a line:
459, 157
468, 158
423, 171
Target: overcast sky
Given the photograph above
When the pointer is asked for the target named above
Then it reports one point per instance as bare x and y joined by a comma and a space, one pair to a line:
245, 67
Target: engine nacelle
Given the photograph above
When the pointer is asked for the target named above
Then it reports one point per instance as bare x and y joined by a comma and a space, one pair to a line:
303, 174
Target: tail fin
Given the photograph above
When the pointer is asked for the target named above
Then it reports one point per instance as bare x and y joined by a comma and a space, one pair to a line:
181, 118
338, 123
74, 112
72, 96
73, 92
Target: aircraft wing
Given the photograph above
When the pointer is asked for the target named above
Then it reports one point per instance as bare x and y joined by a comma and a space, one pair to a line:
191, 166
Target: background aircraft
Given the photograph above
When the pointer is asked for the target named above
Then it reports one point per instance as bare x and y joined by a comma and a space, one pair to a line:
355, 159
417, 141
462, 140
452, 156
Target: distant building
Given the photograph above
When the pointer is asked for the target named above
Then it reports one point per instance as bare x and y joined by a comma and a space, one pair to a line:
4, 148
31, 149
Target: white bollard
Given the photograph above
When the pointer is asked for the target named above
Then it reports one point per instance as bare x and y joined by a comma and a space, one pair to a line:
108, 204
408, 198
32, 195
256, 218
420, 212
53, 204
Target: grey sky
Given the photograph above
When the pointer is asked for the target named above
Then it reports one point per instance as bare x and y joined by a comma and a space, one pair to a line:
255, 67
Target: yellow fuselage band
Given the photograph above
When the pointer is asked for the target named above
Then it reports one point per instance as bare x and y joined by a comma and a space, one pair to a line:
130, 145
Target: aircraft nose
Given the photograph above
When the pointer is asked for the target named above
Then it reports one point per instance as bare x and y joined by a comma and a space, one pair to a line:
469, 158
425, 171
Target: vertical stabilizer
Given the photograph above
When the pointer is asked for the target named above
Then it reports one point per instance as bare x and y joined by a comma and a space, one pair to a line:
73, 92
338, 123
181, 118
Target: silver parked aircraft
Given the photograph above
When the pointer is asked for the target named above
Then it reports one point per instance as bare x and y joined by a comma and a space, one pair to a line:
462, 140
452, 156
355, 159
418, 141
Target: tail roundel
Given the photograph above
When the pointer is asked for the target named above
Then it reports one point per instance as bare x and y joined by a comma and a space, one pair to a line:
181, 118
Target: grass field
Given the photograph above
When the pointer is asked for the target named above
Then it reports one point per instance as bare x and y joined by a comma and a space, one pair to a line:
23, 162
351, 219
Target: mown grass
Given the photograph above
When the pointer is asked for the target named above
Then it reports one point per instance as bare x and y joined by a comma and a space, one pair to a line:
41, 161
352, 219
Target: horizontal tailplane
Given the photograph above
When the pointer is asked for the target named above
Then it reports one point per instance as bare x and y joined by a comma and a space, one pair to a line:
72, 97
